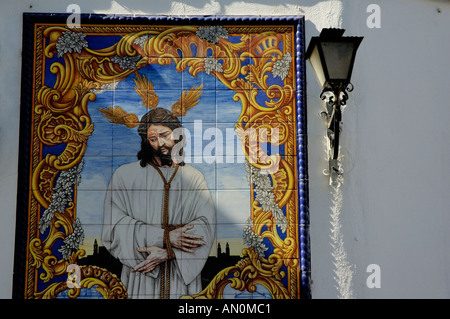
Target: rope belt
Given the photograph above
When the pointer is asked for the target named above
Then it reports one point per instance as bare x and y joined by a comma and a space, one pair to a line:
164, 267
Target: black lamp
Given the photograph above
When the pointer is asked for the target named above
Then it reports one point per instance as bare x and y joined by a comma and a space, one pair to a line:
332, 57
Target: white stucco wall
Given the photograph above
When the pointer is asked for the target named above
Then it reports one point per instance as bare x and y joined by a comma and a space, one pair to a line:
395, 195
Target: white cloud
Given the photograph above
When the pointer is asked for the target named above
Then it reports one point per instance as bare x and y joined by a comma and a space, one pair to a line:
233, 207
90, 206
93, 182
90, 196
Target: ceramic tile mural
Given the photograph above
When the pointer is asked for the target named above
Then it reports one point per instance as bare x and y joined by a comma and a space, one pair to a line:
162, 157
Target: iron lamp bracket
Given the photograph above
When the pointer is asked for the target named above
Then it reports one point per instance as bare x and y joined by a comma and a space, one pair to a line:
335, 95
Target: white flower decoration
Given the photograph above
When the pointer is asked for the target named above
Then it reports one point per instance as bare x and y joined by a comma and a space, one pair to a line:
142, 39
62, 194
126, 62
211, 64
251, 239
70, 42
212, 33
264, 194
281, 67
72, 242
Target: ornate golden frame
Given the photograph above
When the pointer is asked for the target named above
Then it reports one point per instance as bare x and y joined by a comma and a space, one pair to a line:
59, 116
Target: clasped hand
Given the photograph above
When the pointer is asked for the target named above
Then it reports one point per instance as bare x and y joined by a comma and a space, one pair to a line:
179, 238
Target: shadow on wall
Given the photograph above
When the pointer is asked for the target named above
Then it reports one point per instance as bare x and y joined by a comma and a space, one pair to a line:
210, 7
319, 14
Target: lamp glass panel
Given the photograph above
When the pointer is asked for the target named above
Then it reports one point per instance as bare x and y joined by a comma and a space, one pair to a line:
338, 57
316, 64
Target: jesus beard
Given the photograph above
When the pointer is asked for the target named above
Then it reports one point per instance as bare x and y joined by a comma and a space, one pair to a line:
166, 156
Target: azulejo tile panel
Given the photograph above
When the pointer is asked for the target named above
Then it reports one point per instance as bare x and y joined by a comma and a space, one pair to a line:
162, 158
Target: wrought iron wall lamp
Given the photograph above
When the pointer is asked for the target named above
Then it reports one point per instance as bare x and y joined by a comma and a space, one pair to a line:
332, 56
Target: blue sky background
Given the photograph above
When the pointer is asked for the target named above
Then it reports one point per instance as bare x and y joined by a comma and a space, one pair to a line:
112, 145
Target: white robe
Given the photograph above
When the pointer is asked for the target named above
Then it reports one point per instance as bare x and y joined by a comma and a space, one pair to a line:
133, 212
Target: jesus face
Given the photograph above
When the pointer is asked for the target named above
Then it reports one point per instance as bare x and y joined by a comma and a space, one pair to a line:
161, 139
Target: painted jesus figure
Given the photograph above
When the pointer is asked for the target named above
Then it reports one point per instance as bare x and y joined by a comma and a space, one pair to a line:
159, 216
